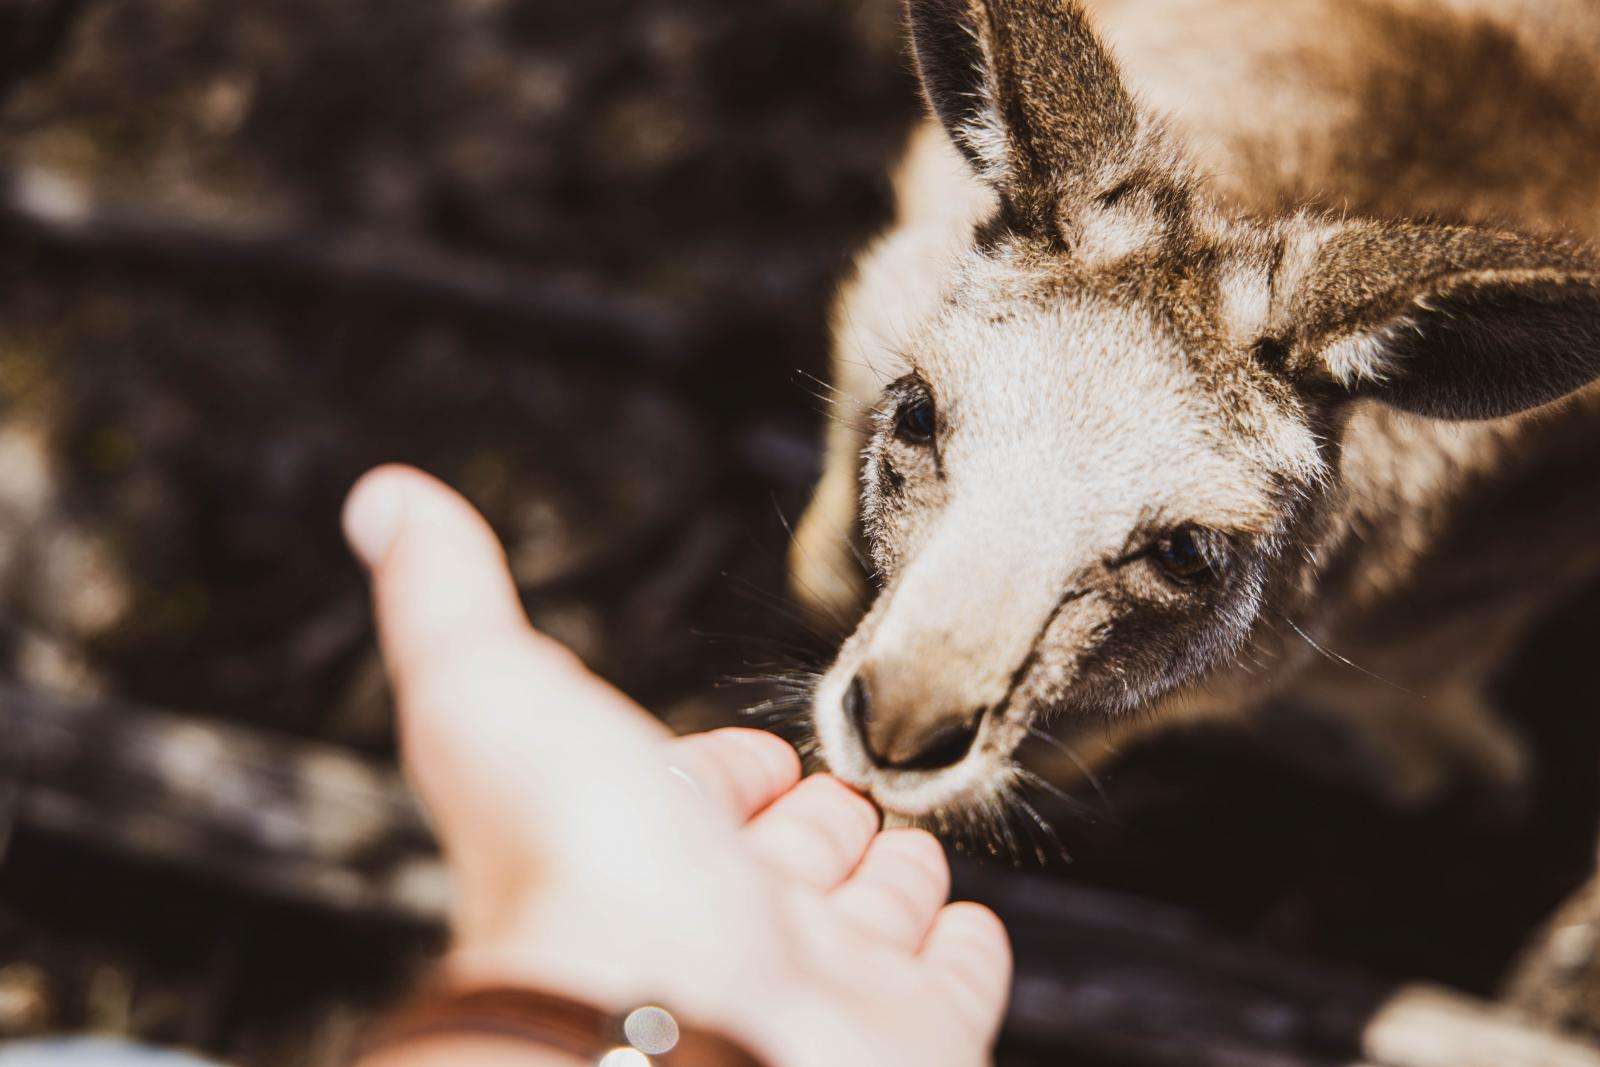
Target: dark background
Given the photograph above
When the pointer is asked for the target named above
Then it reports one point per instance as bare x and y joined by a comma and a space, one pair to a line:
575, 259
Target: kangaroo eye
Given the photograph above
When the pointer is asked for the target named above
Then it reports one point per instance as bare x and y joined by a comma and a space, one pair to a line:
915, 421
1182, 557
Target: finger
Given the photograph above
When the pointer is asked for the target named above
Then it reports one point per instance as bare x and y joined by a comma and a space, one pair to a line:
739, 770
439, 576
446, 602
969, 950
816, 832
899, 887
483, 698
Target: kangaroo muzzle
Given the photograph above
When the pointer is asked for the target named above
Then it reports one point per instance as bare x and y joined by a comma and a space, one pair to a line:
909, 732
945, 651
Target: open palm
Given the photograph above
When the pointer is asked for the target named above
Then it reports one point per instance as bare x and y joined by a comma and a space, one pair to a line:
596, 855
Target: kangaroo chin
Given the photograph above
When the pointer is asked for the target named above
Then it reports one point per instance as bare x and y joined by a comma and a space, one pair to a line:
1135, 435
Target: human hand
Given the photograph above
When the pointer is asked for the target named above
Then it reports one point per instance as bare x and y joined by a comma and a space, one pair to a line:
585, 864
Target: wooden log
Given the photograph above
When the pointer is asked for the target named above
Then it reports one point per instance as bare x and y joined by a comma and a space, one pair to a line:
1424, 1026
1107, 978
273, 815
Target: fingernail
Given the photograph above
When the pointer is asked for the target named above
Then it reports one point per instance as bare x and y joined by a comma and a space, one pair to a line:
372, 516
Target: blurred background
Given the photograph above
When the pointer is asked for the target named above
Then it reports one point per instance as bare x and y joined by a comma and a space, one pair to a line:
575, 259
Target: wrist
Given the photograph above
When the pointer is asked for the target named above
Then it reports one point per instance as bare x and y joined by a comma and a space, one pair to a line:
507, 1023
453, 1050
718, 1000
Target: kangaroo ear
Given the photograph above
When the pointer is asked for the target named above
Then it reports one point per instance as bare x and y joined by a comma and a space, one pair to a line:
1452, 322
1032, 99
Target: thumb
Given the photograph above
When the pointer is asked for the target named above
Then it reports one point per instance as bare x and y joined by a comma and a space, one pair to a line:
489, 708
439, 576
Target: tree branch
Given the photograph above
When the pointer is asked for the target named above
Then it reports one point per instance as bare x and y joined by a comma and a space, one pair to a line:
562, 314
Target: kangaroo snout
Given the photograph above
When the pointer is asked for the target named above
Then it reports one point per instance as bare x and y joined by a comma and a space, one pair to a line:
910, 709
906, 727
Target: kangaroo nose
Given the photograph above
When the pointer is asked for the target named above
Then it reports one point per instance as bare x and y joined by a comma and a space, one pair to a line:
909, 742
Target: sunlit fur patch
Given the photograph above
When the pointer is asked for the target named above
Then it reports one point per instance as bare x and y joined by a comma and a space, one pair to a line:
985, 132
1365, 357
1106, 234
1094, 376
986, 137
1244, 297
1303, 238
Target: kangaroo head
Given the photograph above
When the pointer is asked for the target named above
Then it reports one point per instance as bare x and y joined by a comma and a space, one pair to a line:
1104, 456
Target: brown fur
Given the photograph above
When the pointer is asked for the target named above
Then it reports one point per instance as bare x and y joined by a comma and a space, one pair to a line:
1315, 371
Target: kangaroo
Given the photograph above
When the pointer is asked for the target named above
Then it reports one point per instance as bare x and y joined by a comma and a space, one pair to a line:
1238, 356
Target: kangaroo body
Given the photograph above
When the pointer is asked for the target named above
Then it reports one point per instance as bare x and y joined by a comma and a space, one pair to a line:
1453, 536
1442, 538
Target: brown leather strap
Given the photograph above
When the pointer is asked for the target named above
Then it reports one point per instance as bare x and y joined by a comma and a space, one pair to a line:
543, 1019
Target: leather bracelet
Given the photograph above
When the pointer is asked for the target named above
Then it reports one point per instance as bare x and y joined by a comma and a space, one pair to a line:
556, 1023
